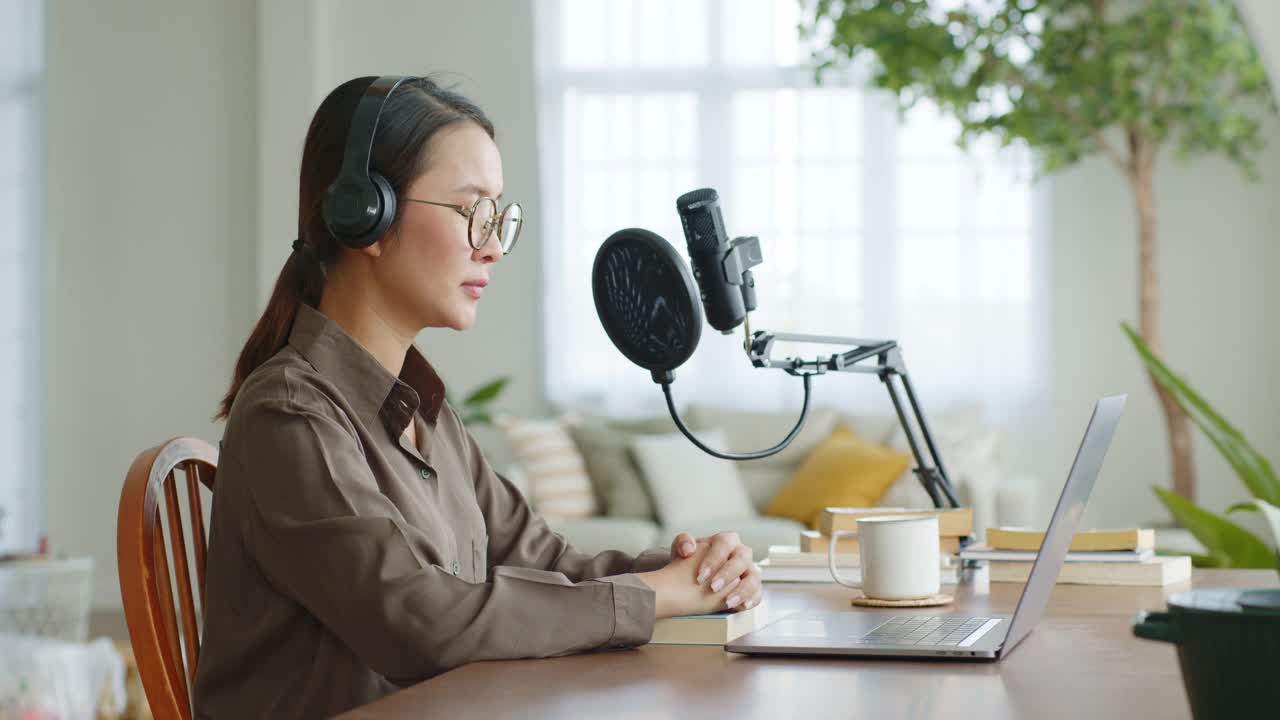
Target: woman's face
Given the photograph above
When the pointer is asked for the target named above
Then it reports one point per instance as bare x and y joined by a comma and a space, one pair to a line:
429, 269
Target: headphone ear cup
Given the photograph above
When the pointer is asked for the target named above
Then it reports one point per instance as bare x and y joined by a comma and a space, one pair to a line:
387, 195
357, 211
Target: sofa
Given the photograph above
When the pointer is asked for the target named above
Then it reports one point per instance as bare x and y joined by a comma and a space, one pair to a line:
971, 451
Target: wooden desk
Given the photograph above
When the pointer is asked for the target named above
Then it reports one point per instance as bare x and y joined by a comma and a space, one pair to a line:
1081, 661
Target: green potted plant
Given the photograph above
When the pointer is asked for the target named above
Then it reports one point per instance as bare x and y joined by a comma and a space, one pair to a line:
474, 408
1228, 640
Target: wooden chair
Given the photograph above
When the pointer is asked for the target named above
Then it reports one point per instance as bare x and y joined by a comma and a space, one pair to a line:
149, 608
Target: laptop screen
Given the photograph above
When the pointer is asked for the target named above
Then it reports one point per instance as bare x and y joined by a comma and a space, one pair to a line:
1066, 517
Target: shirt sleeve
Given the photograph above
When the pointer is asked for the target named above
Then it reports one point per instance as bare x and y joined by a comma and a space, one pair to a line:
324, 534
520, 537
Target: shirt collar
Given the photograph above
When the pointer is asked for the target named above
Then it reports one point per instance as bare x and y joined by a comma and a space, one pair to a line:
368, 386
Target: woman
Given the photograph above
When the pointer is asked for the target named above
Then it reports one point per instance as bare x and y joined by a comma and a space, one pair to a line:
359, 539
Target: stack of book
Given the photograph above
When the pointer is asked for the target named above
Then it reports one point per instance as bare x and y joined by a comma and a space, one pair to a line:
807, 562
1096, 557
952, 522
789, 563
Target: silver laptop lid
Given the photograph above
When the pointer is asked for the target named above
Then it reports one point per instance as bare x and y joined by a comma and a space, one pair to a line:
1066, 517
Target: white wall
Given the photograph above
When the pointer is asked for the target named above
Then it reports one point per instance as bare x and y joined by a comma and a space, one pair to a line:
151, 214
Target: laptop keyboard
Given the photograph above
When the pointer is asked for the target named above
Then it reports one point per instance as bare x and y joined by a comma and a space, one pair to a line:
935, 630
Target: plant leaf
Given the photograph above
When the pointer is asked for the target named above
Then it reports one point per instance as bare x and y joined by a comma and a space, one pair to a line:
1269, 511
1229, 544
1254, 470
486, 393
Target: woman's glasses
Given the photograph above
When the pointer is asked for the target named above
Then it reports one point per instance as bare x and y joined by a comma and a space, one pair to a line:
483, 219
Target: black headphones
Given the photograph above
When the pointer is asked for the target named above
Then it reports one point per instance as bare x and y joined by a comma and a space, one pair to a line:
360, 204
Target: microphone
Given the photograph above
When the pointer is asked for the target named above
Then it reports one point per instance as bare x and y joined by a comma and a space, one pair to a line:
721, 268
648, 305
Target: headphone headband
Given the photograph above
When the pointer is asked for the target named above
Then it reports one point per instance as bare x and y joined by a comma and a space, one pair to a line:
364, 124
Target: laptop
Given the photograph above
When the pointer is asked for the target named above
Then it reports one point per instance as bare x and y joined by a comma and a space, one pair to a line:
951, 637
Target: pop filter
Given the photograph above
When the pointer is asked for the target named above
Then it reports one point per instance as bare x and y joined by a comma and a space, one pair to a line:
647, 301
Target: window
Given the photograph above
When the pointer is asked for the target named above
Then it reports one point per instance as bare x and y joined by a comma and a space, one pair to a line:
21, 268
871, 225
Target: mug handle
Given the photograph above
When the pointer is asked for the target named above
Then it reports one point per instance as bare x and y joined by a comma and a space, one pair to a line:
831, 557
1155, 625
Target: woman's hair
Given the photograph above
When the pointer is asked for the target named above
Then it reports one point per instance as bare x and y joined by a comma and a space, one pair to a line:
412, 115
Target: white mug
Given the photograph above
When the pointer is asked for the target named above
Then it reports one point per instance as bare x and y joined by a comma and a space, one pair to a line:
899, 555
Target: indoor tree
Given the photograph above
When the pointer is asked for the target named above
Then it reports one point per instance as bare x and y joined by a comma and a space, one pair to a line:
1070, 78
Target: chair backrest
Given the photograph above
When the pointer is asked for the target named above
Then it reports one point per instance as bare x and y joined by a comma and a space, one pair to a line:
166, 659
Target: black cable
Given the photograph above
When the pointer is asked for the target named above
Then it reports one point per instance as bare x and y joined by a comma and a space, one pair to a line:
804, 413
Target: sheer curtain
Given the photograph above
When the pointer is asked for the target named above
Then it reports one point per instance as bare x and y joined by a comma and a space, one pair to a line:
872, 225
21, 179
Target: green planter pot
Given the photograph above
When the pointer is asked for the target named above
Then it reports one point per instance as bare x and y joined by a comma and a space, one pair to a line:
1228, 647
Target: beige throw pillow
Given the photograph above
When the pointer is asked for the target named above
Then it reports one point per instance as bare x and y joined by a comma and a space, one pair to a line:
556, 479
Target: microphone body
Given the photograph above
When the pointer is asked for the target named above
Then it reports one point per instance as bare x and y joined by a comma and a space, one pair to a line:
708, 245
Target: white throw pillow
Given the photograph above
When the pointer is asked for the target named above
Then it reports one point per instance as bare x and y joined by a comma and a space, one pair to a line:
687, 484
555, 477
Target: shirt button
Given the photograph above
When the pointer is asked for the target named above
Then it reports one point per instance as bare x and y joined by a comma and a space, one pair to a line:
455, 567
426, 474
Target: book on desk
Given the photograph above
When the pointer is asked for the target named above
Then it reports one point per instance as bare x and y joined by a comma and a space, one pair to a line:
787, 563
814, 541
1100, 540
713, 629
952, 522
1121, 556
1158, 571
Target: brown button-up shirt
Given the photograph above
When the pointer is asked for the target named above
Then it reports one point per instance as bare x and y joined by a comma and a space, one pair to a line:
344, 561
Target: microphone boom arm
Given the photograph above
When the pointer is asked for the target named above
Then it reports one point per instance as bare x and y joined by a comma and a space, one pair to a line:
888, 364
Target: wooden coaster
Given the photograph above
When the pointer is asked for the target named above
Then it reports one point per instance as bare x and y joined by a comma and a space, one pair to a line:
939, 599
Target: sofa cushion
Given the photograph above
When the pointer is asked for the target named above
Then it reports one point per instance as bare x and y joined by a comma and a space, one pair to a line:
605, 445
594, 535
758, 532
842, 471
748, 431
687, 484
557, 483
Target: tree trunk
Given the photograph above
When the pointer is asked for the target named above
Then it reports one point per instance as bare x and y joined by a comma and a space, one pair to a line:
1178, 424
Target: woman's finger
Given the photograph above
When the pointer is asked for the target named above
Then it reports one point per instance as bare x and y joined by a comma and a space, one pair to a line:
684, 545
733, 568
750, 588
721, 545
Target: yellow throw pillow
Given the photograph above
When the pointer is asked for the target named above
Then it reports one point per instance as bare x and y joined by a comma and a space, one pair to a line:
841, 471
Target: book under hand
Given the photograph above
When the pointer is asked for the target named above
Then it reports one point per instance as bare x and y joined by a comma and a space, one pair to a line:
714, 629
1011, 538
814, 541
952, 522
1159, 571
982, 552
